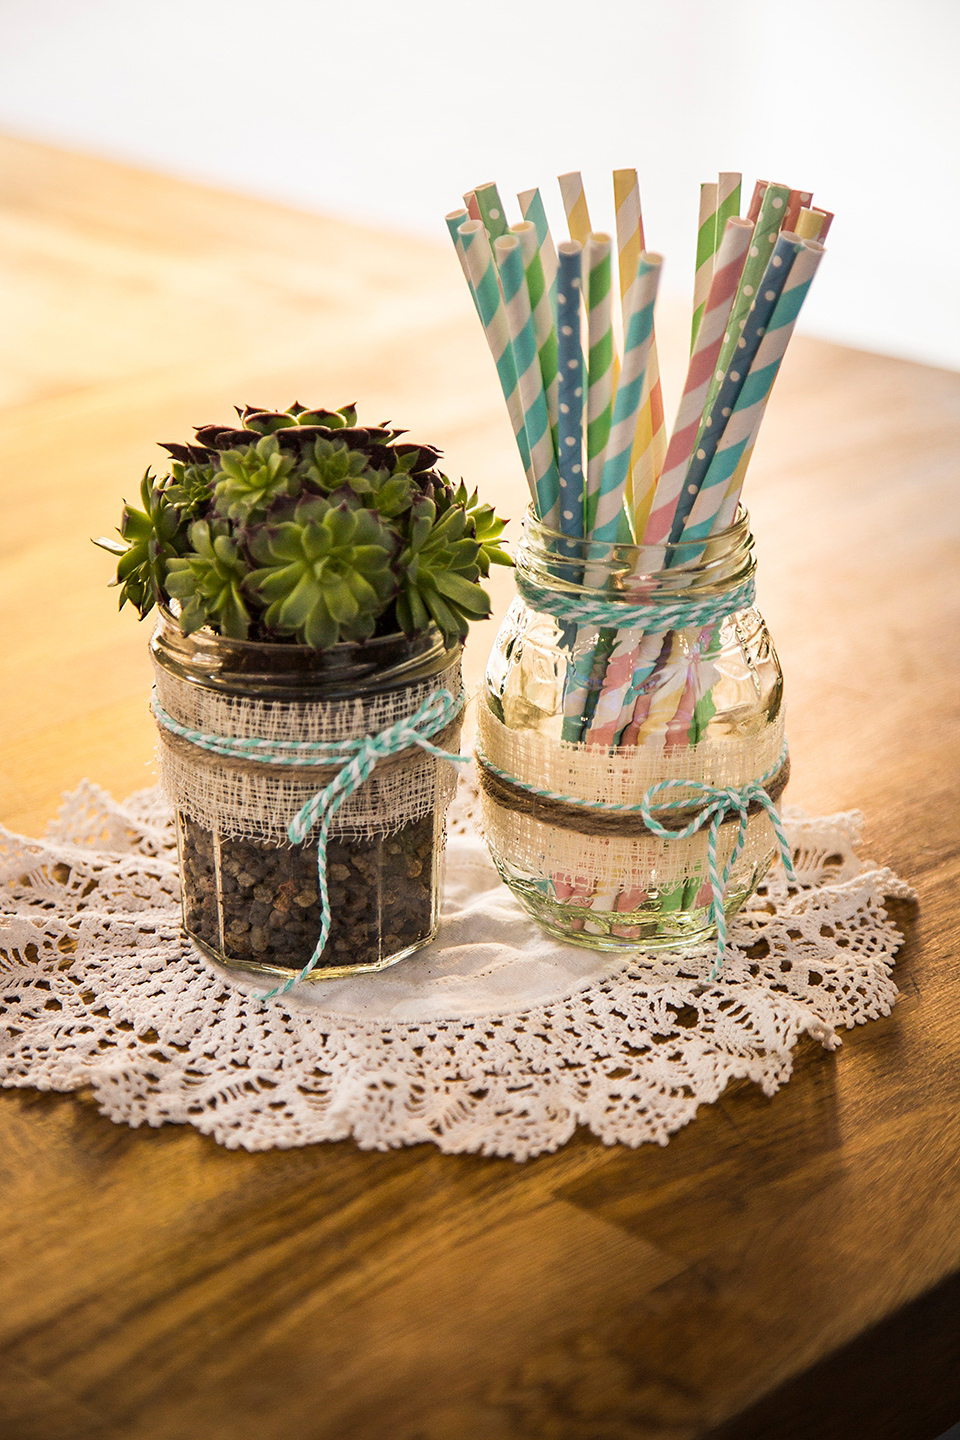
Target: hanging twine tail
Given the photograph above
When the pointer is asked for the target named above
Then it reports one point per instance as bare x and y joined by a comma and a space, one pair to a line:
717, 804
357, 758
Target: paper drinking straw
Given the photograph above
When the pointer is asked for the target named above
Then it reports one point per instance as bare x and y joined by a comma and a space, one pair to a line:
599, 367
716, 416
491, 210
756, 199
765, 233
609, 520
809, 224
454, 220
728, 201
700, 371
706, 246
795, 203
543, 321
570, 388
827, 221
743, 424
516, 300
648, 441
481, 274
531, 208
470, 200
575, 206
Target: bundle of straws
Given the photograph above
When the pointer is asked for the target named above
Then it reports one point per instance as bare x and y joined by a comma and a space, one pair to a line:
589, 424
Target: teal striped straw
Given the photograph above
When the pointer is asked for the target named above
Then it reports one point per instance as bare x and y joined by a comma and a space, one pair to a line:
544, 326
533, 400
482, 275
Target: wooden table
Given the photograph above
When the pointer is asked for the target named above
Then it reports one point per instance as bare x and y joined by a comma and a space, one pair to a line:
783, 1268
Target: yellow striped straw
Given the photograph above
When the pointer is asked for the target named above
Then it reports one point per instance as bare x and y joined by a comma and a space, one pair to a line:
575, 206
644, 465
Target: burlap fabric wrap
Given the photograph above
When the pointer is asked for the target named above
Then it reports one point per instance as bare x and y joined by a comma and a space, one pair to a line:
601, 850
251, 800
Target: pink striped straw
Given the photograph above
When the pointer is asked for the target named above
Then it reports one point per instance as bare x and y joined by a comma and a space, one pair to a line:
703, 363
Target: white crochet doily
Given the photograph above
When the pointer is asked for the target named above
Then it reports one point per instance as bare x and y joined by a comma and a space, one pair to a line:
494, 1039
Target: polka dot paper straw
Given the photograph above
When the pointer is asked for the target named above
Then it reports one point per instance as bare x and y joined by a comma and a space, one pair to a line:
744, 422
543, 323
516, 300
482, 276
570, 388
700, 372
797, 201
599, 366
491, 211
772, 208
715, 418
809, 224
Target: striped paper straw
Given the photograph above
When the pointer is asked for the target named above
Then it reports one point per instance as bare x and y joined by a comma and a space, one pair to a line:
453, 221
756, 200
470, 200
700, 372
599, 367
744, 422
706, 248
715, 419
765, 234
644, 457
796, 201
543, 325
481, 274
728, 201
609, 521
575, 206
570, 388
516, 300
491, 210
531, 208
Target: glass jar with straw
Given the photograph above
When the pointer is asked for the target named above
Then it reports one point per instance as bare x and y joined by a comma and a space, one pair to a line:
631, 738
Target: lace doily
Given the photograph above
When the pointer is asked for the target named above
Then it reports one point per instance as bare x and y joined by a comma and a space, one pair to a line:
494, 1039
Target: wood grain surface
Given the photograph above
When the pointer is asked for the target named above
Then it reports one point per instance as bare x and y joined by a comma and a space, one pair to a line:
785, 1267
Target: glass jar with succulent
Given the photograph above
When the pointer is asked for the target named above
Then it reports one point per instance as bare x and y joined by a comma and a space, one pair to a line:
315, 580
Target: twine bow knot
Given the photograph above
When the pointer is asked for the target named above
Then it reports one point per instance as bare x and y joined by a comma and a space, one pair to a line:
717, 802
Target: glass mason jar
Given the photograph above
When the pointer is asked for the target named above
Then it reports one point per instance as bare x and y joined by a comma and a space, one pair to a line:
582, 716
250, 896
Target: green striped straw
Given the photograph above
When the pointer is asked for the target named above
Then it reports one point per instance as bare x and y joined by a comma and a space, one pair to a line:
491, 211
531, 208
543, 317
481, 272
706, 249
599, 368
765, 232
728, 202
516, 300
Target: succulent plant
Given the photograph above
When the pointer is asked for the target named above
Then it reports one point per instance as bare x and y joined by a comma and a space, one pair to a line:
302, 525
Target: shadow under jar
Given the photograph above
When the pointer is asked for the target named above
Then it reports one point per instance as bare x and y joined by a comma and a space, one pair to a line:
251, 897
582, 717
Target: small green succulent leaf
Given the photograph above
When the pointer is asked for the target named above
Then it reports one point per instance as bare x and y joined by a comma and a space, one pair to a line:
251, 479
208, 581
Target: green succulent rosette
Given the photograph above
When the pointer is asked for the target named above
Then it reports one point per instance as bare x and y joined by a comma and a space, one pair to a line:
302, 525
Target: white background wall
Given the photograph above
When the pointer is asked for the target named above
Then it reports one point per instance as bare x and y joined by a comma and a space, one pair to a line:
385, 110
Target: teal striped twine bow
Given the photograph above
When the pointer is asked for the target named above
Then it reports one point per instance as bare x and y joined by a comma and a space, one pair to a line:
625, 614
716, 803
357, 758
